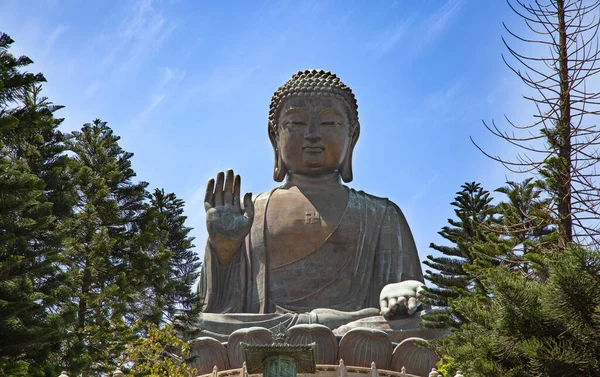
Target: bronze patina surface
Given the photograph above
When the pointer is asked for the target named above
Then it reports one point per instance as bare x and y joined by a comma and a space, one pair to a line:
311, 250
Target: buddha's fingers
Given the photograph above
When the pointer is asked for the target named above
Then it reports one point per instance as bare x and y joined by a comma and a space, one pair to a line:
209, 195
393, 304
385, 309
249, 207
228, 191
237, 182
219, 189
401, 303
413, 304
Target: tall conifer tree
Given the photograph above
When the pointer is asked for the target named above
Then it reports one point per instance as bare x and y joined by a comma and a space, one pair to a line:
524, 223
30, 280
532, 328
474, 214
175, 263
106, 261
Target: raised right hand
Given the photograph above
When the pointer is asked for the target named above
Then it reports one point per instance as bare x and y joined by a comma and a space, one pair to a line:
227, 222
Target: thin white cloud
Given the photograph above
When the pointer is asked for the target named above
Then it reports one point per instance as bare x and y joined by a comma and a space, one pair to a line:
170, 76
440, 20
221, 83
92, 88
155, 101
168, 79
391, 37
423, 190
142, 32
56, 33
446, 102
443, 100
416, 35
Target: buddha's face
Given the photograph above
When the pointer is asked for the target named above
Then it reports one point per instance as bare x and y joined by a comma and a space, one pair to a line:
313, 136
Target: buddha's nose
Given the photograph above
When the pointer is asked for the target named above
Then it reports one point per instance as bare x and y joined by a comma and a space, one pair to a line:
313, 132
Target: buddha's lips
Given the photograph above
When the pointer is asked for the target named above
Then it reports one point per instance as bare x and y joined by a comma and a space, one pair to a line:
313, 148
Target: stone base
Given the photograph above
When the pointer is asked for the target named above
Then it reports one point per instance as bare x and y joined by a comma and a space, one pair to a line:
397, 329
322, 371
391, 345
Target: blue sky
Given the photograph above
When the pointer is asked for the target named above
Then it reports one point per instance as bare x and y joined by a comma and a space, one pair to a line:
187, 85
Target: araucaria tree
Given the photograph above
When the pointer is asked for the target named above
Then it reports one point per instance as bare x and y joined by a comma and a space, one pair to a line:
561, 144
105, 259
128, 254
540, 316
90, 261
474, 216
531, 328
31, 181
170, 298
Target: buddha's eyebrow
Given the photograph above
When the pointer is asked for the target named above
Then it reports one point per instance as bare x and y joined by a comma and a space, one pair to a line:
330, 111
294, 111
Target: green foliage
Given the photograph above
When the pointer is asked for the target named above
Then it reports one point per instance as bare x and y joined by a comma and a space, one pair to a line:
530, 327
474, 215
160, 353
104, 255
175, 265
525, 220
30, 277
560, 145
541, 315
128, 254
492, 280
85, 252
446, 367
14, 82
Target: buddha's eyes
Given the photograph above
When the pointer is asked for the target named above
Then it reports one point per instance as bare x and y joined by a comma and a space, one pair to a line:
295, 123
303, 123
331, 123
331, 118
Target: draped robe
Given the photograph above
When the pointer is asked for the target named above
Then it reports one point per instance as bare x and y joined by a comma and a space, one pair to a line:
247, 293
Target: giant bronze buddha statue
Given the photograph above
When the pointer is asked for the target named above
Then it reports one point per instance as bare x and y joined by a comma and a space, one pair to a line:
311, 250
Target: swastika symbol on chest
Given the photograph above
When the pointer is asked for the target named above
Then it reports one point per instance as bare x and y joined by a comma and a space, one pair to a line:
312, 218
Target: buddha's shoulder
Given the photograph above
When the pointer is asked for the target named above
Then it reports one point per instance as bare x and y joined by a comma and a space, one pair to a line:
262, 196
377, 201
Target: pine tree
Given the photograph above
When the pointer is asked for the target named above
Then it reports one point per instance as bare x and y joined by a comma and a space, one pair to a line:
474, 215
106, 262
524, 222
39, 141
540, 321
14, 82
30, 280
532, 328
176, 266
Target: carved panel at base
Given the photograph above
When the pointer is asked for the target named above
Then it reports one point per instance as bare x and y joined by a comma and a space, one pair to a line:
327, 345
251, 335
417, 359
360, 347
207, 353
397, 328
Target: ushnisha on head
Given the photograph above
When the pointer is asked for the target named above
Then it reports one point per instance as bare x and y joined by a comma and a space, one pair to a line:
309, 92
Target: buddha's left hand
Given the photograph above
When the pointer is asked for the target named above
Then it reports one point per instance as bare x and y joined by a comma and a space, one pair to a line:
401, 297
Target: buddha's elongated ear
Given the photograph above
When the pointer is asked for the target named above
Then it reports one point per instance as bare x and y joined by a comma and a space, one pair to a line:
346, 169
279, 170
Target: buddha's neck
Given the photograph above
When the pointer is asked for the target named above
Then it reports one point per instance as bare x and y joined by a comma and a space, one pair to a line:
324, 182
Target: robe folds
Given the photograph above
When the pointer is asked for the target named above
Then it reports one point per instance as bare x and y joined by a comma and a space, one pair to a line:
382, 251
